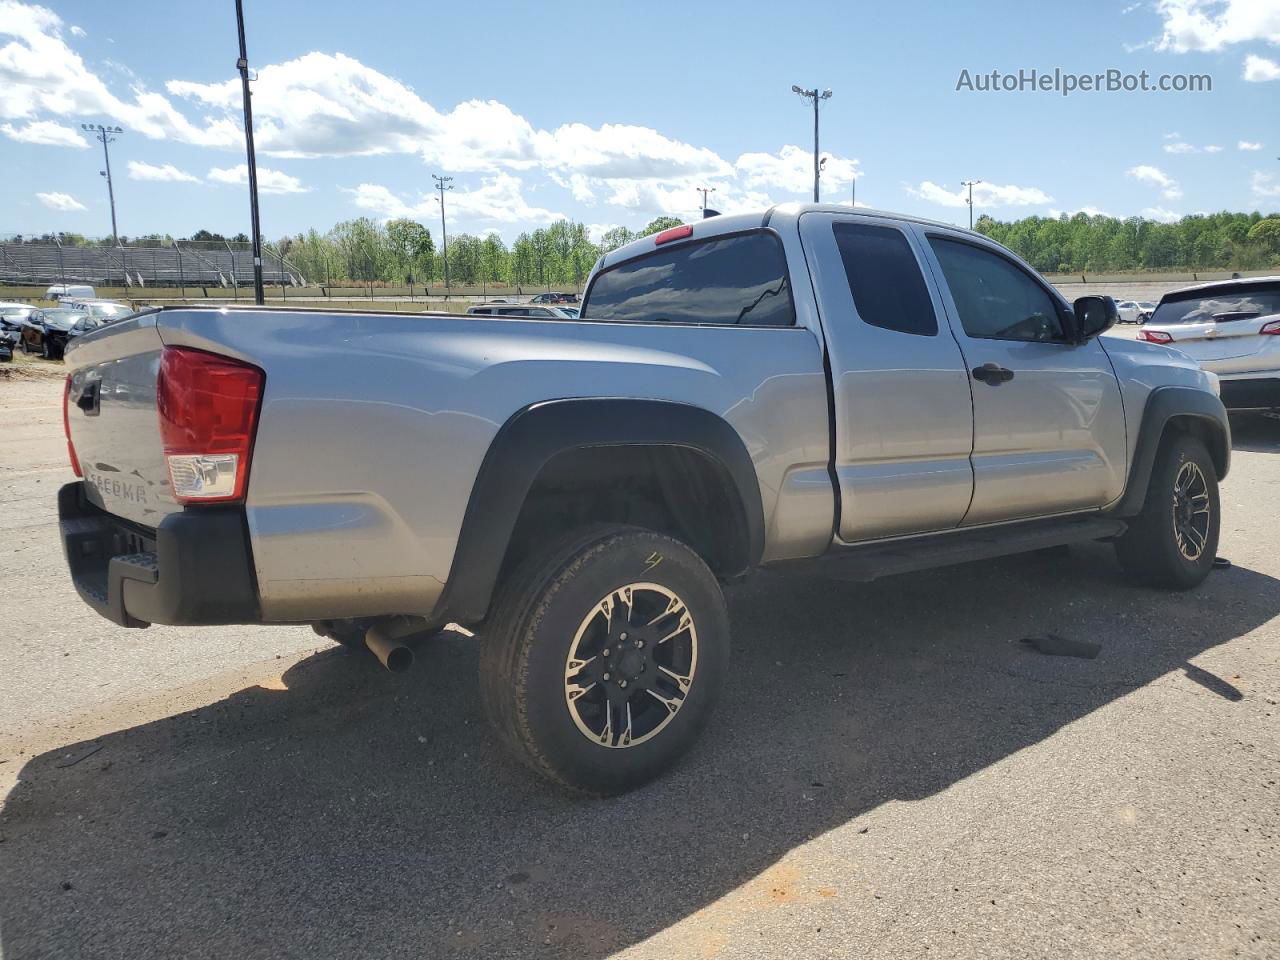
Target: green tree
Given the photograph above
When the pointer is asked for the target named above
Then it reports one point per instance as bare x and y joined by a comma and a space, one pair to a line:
410, 245
659, 224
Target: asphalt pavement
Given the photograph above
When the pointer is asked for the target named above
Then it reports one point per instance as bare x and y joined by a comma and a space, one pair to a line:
894, 772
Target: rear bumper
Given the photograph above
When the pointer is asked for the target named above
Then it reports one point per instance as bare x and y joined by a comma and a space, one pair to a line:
194, 569
1250, 393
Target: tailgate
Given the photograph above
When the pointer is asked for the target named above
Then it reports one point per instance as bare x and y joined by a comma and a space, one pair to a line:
1206, 342
111, 416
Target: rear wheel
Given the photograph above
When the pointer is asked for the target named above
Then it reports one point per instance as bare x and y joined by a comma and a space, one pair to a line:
1173, 541
604, 657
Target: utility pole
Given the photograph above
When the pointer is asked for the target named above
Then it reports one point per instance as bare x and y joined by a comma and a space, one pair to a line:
970, 184
854, 198
816, 96
442, 184
104, 134
704, 191
259, 295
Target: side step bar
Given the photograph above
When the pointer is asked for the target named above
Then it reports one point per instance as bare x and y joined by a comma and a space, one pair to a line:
874, 560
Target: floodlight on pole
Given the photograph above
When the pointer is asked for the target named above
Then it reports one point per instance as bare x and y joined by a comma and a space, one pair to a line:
817, 96
705, 191
105, 135
970, 184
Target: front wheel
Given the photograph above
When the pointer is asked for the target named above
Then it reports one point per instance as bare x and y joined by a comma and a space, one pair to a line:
604, 657
1173, 541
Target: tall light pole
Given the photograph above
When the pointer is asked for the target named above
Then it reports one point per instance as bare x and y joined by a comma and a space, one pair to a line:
259, 296
970, 184
704, 191
816, 96
104, 134
442, 184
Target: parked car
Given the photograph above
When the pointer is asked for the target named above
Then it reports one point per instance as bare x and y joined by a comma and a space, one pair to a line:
1145, 309
105, 309
8, 341
87, 323
1128, 311
1231, 328
576, 492
555, 298
65, 290
499, 309
13, 316
45, 331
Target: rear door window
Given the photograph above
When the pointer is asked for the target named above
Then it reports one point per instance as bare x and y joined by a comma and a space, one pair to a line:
885, 279
739, 279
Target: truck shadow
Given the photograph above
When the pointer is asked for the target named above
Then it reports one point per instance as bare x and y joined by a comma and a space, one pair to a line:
354, 812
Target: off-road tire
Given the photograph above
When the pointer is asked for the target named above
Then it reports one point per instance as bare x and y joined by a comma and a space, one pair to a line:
1149, 550
538, 619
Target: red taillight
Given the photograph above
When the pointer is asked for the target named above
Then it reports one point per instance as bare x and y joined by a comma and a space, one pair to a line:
675, 233
1155, 336
208, 408
66, 426
1271, 327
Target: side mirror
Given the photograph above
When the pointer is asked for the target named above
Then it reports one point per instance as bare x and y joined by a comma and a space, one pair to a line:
1093, 316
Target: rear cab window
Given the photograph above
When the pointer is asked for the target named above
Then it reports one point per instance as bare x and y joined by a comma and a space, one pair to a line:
731, 280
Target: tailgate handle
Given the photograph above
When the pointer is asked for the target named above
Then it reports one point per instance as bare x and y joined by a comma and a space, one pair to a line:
89, 399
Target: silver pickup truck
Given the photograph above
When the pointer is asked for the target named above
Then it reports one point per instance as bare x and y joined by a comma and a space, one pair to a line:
853, 393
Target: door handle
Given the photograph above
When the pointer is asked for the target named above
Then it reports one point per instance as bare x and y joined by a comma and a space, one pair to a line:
993, 374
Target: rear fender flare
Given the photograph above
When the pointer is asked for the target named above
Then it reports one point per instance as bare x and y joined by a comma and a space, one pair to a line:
535, 434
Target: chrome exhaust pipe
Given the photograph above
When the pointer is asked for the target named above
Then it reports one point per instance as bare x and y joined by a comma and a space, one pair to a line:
391, 652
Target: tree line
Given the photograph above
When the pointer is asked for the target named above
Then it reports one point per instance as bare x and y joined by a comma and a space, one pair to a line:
1090, 244
404, 252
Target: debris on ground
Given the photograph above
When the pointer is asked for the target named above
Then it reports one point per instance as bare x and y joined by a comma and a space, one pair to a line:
1055, 646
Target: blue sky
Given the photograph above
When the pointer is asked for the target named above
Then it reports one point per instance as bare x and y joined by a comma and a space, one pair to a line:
612, 113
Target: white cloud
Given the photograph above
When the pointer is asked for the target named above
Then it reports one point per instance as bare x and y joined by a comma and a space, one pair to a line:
43, 75
499, 199
159, 174
1179, 146
44, 132
1145, 173
1247, 145
78, 32
1260, 69
984, 195
1213, 148
1173, 136
60, 201
1161, 214
791, 170
1265, 186
1214, 24
1130, 8
269, 181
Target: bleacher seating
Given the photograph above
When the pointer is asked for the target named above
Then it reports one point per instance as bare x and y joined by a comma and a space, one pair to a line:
146, 264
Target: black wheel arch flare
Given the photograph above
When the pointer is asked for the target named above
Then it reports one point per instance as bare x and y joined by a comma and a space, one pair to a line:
540, 431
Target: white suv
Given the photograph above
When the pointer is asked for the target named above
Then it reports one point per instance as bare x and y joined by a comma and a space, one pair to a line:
1231, 328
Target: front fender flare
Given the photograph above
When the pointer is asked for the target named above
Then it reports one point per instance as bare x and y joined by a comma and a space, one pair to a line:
1163, 405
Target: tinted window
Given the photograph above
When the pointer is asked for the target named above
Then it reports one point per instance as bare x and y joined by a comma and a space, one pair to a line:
884, 278
729, 280
1219, 306
995, 299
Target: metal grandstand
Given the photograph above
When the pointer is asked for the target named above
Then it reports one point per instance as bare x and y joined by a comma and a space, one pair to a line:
141, 263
